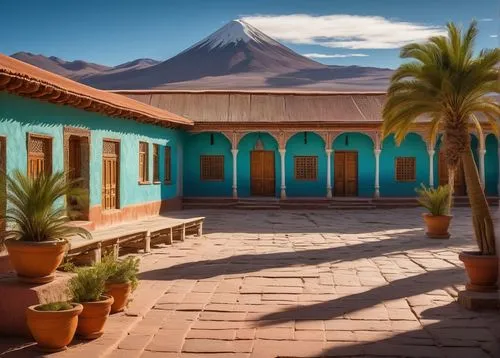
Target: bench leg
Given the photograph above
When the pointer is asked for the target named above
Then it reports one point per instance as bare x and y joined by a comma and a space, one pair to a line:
183, 232
97, 254
116, 250
200, 230
170, 238
147, 242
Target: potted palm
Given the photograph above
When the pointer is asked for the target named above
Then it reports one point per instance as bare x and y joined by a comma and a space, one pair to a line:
121, 281
436, 201
53, 325
452, 88
37, 231
87, 288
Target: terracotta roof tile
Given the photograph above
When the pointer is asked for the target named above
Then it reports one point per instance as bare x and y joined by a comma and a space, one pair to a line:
29, 81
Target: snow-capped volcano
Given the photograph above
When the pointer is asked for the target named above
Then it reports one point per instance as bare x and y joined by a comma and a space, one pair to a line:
237, 56
232, 33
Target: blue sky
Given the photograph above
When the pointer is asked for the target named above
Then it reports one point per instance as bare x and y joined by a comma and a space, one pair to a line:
110, 32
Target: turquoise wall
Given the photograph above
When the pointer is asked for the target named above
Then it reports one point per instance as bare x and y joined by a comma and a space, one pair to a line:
197, 145
19, 116
412, 146
245, 146
366, 160
311, 145
491, 165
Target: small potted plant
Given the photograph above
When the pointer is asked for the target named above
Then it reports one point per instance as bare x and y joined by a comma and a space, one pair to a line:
87, 288
437, 202
37, 232
53, 325
122, 280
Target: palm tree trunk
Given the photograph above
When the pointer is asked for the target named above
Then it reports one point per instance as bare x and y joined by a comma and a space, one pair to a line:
451, 183
481, 218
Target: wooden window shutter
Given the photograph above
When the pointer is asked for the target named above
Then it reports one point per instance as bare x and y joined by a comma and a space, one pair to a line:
406, 169
168, 164
39, 155
143, 162
110, 174
212, 167
306, 167
156, 163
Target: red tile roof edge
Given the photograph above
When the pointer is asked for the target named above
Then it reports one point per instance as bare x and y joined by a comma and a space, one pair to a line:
25, 80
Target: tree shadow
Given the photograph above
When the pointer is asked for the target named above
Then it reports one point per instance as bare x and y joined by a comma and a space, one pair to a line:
337, 251
401, 288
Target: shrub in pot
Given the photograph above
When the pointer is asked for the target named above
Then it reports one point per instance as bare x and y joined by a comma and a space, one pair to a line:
122, 280
436, 201
53, 325
87, 289
36, 223
452, 85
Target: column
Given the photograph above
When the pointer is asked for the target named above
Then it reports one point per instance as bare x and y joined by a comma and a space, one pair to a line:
431, 167
283, 179
235, 173
329, 173
377, 173
482, 153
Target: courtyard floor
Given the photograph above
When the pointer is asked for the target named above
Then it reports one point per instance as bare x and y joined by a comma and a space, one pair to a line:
303, 284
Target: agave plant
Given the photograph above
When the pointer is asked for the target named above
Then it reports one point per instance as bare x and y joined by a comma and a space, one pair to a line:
35, 207
452, 87
435, 200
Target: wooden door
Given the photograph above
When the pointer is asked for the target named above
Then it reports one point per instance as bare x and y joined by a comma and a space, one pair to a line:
110, 175
460, 187
346, 173
39, 155
262, 170
75, 157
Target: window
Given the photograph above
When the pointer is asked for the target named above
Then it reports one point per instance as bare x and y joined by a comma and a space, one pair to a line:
168, 164
406, 169
306, 167
39, 155
143, 162
212, 167
156, 163
110, 174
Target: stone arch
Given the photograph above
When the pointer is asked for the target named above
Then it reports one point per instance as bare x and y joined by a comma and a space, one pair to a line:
206, 143
306, 144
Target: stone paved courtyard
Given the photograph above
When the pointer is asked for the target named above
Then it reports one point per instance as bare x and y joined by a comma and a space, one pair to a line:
307, 284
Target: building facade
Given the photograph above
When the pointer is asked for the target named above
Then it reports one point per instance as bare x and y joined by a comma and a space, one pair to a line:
135, 157
304, 144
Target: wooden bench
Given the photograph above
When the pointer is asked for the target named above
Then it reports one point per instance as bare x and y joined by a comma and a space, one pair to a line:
142, 234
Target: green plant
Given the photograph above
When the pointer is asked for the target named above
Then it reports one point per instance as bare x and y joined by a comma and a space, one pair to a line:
449, 85
89, 283
435, 200
35, 207
54, 306
122, 270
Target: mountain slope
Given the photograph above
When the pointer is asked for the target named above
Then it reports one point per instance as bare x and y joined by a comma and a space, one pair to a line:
237, 56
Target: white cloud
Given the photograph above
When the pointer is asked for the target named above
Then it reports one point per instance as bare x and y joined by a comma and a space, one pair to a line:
494, 36
335, 55
343, 31
487, 19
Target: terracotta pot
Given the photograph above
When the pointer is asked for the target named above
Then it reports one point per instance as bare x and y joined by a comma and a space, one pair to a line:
120, 293
53, 330
482, 271
94, 315
437, 226
36, 262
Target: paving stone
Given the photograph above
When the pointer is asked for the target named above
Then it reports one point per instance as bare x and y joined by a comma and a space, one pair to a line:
221, 334
135, 341
275, 333
217, 346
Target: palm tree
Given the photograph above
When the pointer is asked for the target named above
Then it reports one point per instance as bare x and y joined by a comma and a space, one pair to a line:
35, 210
450, 86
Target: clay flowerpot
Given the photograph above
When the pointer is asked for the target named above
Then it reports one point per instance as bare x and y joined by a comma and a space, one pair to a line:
482, 271
36, 262
437, 226
53, 330
94, 315
120, 293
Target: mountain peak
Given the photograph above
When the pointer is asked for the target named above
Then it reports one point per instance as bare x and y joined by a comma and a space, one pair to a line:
232, 33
